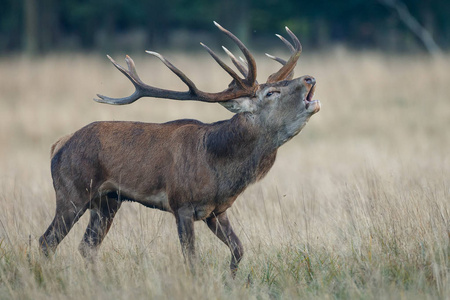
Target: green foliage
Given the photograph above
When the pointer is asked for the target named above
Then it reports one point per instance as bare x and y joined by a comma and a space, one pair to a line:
357, 23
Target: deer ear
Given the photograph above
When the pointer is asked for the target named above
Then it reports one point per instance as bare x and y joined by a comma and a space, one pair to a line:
238, 105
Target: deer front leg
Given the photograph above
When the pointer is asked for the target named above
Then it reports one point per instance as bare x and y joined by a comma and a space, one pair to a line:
221, 227
185, 225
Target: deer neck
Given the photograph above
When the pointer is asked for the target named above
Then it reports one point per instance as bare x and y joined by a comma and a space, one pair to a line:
240, 136
238, 147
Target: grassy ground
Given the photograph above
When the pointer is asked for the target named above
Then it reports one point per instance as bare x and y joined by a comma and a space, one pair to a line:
356, 206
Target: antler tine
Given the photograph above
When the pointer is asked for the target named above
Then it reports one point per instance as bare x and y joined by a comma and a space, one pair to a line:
251, 74
286, 42
177, 71
239, 65
276, 58
298, 45
287, 71
131, 73
279, 59
224, 66
132, 76
283, 62
131, 66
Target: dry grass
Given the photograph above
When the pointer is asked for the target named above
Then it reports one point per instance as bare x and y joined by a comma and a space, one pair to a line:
357, 206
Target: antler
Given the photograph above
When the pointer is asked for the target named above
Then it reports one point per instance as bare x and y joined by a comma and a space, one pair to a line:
239, 87
239, 64
287, 71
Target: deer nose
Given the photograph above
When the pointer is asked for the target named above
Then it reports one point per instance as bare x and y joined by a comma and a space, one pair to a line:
310, 80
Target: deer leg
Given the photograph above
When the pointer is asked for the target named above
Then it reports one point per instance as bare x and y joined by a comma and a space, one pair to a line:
67, 214
185, 225
221, 227
99, 224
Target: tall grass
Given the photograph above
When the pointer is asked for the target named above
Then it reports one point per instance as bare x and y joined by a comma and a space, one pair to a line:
356, 206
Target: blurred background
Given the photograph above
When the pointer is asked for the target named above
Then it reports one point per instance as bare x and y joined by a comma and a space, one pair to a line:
39, 27
355, 207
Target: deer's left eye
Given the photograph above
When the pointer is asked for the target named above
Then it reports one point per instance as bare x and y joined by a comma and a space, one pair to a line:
271, 93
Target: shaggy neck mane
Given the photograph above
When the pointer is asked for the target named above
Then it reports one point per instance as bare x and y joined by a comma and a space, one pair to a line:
237, 147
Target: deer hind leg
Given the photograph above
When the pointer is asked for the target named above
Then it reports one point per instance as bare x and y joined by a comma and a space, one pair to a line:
68, 212
100, 222
221, 227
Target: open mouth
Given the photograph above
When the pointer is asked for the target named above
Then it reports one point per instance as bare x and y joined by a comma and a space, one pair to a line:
309, 96
311, 106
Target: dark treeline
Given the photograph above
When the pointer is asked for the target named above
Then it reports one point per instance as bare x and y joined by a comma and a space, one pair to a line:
41, 26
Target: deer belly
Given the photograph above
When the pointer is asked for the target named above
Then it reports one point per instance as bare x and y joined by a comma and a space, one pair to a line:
158, 200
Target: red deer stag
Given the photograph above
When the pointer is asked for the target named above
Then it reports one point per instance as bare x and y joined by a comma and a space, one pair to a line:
193, 170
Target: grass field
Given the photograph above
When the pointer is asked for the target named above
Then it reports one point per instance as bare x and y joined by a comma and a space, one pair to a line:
356, 207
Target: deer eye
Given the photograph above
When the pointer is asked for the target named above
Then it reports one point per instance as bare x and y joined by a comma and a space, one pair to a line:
271, 93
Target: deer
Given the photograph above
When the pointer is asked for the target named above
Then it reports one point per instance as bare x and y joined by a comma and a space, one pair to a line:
193, 170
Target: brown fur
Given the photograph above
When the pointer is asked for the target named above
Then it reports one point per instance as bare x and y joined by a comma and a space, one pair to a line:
59, 144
